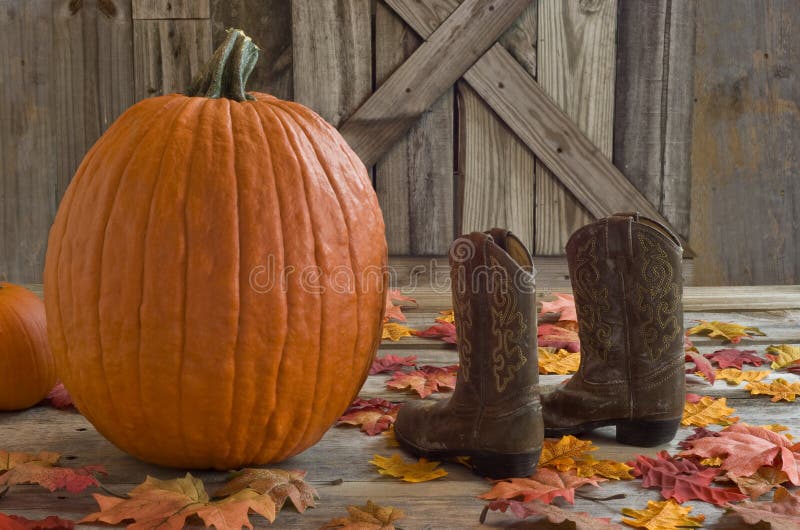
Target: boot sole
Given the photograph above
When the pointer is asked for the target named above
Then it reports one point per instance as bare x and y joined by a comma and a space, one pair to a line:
640, 433
483, 463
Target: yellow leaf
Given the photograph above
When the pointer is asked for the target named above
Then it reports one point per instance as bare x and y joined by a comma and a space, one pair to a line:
447, 316
707, 411
560, 362
562, 454
777, 427
725, 330
714, 461
779, 389
394, 331
420, 471
662, 515
587, 466
369, 517
783, 355
736, 376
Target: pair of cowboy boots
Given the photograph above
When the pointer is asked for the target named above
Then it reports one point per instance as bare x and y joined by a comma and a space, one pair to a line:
626, 279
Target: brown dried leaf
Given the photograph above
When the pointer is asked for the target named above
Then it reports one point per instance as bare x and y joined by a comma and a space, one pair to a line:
369, 517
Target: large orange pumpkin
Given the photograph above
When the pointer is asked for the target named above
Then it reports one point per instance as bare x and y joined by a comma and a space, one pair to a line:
215, 275
27, 371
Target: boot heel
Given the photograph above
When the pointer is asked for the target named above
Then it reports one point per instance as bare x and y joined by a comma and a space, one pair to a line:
647, 433
497, 466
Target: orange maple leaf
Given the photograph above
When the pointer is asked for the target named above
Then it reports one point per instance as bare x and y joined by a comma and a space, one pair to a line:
782, 512
279, 484
558, 336
41, 468
391, 363
166, 504
545, 485
395, 311
426, 380
554, 514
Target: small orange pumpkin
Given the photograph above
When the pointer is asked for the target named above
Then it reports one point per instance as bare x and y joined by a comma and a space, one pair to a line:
215, 275
27, 371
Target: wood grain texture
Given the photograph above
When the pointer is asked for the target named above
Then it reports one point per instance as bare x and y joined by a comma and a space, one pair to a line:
399, 102
745, 153
653, 105
332, 55
171, 9
168, 54
28, 138
496, 170
576, 69
269, 24
92, 79
414, 179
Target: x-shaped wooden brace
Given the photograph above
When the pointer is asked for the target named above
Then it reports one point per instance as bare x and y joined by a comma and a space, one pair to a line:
461, 41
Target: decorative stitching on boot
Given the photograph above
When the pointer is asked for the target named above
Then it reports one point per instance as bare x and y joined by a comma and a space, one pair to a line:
658, 298
591, 300
463, 322
508, 329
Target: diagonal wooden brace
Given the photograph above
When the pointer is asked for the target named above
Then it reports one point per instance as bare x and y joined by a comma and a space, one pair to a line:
434, 67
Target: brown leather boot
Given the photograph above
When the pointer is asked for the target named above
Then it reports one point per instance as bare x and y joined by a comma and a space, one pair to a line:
627, 282
494, 414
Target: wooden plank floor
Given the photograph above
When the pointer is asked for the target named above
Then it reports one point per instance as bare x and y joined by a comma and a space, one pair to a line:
339, 465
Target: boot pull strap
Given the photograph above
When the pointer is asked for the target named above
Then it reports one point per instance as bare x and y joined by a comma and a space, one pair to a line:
619, 236
658, 225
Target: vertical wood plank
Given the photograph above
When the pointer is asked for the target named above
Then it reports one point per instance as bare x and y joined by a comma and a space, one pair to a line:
168, 54
269, 23
27, 138
496, 170
93, 77
652, 120
414, 180
745, 153
576, 68
332, 55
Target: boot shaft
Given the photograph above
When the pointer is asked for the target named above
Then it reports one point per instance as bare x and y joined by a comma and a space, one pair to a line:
627, 283
495, 309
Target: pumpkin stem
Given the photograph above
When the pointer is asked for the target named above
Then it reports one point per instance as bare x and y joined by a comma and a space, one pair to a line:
225, 75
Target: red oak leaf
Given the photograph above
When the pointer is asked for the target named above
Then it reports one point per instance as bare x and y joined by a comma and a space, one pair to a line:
731, 357
701, 365
554, 336
545, 485
794, 368
59, 397
394, 311
682, 479
746, 448
391, 363
563, 306
445, 331
15, 522
426, 380
699, 432
374, 415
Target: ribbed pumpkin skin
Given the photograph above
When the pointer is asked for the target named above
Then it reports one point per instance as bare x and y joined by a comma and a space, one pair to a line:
27, 371
156, 278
